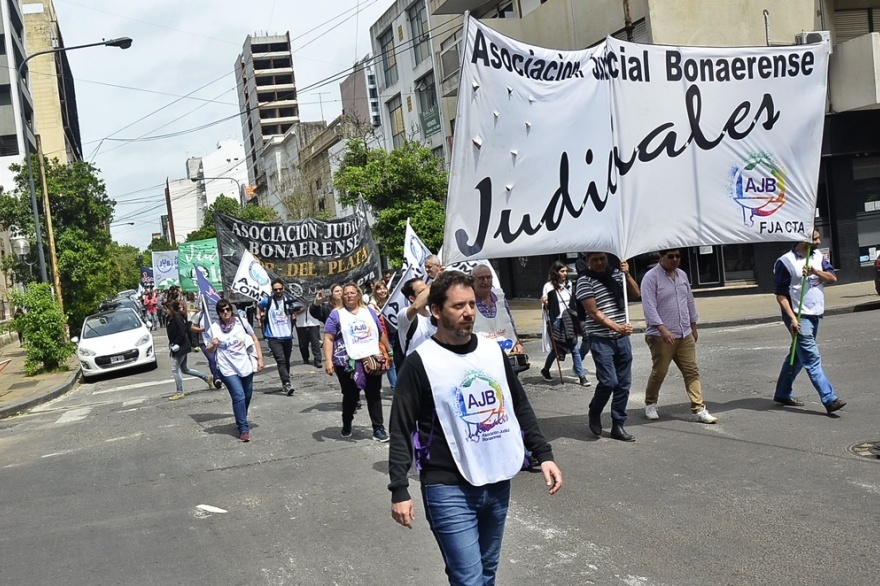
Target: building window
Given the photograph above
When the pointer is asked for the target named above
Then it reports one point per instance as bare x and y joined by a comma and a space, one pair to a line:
395, 114
8, 145
426, 90
418, 22
866, 188
503, 9
849, 24
389, 59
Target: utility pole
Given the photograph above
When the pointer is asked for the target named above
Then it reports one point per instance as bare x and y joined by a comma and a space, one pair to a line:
170, 217
321, 103
56, 276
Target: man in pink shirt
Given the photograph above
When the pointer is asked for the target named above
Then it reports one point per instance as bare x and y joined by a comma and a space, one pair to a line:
671, 316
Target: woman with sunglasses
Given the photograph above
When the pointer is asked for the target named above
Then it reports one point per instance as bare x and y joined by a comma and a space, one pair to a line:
233, 340
178, 329
353, 350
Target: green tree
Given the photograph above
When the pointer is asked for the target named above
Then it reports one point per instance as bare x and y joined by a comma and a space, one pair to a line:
230, 207
81, 213
42, 329
408, 182
128, 260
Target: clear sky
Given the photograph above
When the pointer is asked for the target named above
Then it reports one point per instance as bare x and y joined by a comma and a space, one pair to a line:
178, 79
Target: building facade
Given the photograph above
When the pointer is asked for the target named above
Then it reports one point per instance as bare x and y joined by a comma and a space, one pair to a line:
221, 172
848, 207
52, 85
267, 98
406, 79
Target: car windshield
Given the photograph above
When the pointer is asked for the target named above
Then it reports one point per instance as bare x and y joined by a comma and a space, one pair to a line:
109, 323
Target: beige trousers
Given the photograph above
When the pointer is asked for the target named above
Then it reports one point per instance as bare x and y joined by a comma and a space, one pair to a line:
684, 353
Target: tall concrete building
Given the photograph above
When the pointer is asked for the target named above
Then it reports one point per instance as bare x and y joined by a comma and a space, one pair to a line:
221, 172
848, 207
15, 139
52, 86
407, 84
267, 98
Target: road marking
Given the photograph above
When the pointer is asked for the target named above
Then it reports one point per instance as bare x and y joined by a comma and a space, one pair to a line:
133, 402
141, 385
74, 415
125, 437
211, 509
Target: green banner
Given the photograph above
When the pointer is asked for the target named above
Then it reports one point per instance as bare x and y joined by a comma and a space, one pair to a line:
201, 253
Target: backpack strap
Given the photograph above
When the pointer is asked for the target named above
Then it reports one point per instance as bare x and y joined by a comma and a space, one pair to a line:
409, 334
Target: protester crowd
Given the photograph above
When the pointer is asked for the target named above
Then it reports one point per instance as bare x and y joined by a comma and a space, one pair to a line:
452, 355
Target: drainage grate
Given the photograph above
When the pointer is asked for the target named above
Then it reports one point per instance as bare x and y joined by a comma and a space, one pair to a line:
869, 449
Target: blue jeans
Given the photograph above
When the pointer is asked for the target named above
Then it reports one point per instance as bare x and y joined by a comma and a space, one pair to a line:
240, 388
585, 346
178, 365
212, 362
468, 524
392, 376
806, 356
575, 357
613, 360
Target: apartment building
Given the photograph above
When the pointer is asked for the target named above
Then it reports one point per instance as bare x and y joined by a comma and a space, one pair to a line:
406, 79
848, 210
267, 98
221, 172
52, 84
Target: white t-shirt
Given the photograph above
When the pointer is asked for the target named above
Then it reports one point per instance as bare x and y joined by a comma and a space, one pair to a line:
232, 351
424, 330
305, 320
563, 295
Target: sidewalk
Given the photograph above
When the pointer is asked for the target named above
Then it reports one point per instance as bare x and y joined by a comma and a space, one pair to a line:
719, 310
19, 393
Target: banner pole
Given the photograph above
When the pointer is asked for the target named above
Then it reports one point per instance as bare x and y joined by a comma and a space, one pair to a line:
553, 342
625, 300
800, 305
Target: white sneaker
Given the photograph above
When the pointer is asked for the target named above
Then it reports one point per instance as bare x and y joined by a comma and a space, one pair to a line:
651, 411
705, 417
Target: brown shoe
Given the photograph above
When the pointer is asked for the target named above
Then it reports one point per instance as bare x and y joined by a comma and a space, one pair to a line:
790, 402
834, 405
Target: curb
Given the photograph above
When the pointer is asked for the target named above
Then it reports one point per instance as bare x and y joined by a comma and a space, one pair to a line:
20, 408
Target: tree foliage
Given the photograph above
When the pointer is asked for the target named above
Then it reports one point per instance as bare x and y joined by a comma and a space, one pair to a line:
229, 207
408, 182
81, 213
42, 329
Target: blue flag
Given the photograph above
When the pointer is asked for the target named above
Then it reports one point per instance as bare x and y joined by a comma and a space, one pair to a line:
209, 298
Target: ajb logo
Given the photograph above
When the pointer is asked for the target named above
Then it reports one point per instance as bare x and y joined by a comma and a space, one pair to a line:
758, 187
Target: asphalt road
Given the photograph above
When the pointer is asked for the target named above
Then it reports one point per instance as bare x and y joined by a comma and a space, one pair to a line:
103, 486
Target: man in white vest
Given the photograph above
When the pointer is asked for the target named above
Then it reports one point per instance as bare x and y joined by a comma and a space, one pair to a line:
789, 273
275, 317
414, 320
493, 318
461, 413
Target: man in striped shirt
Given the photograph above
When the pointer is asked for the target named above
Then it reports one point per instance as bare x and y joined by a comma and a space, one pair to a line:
671, 316
600, 290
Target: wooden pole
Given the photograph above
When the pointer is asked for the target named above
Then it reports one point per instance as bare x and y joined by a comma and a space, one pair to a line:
56, 276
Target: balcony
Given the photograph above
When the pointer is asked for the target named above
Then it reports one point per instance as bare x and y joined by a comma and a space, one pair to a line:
450, 63
854, 74
453, 6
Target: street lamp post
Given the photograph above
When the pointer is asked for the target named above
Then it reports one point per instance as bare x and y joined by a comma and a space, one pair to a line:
122, 43
237, 182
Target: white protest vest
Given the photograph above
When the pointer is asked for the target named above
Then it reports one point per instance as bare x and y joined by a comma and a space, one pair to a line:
278, 319
359, 332
814, 297
499, 328
474, 406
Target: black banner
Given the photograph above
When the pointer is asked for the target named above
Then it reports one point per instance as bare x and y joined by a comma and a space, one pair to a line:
309, 254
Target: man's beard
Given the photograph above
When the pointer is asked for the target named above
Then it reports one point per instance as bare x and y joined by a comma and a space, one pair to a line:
459, 330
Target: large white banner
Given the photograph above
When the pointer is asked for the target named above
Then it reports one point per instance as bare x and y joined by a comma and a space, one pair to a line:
627, 148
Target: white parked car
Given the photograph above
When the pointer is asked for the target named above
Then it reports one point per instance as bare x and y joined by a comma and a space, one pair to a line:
114, 340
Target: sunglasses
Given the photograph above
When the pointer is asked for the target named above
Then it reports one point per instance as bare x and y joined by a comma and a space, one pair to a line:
224, 310
673, 256
484, 278
281, 290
